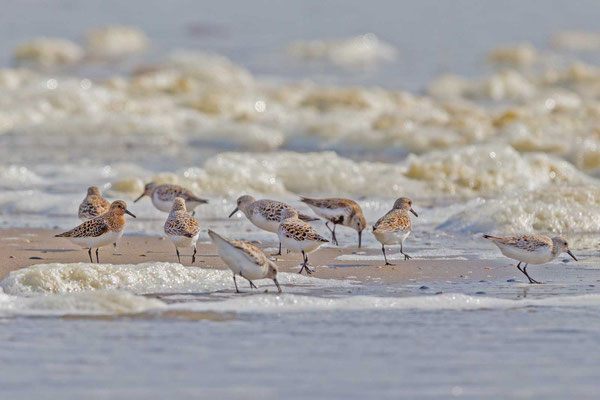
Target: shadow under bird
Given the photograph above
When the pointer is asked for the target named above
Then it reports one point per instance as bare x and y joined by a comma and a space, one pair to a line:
395, 226
531, 249
245, 259
266, 214
181, 228
299, 237
100, 231
162, 196
344, 212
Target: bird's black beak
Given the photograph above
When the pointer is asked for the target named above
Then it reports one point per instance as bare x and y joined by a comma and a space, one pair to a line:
359, 239
138, 199
277, 284
414, 212
130, 213
572, 255
234, 211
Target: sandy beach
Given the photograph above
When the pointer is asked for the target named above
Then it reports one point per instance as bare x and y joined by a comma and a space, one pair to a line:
20, 248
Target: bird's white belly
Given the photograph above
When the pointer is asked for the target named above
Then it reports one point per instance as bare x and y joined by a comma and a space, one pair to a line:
327, 213
297, 246
184, 241
162, 205
99, 241
263, 223
239, 263
529, 257
396, 237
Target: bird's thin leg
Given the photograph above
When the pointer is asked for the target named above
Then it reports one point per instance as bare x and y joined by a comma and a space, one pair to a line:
97, 260
531, 280
406, 256
333, 237
235, 283
194, 255
277, 284
252, 285
115, 245
305, 264
279, 252
178, 258
384, 256
90, 254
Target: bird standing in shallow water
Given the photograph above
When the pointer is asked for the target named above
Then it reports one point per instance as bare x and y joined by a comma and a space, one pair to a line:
338, 211
395, 226
181, 228
100, 231
531, 249
299, 237
266, 214
163, 196
245, 259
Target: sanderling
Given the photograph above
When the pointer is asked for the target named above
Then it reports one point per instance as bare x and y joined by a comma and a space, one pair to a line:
100, 231
266, 214
245, 259
339, 211
163, 195
531, 249
395, 226
93, 205
181, 228
299, 237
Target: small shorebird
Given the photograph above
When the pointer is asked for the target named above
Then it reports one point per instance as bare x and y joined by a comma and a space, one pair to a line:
266, 214
299, 237
181, 228
163, 195
100, 231
338, 211
93, 205
531, 249
245, 259
395, 226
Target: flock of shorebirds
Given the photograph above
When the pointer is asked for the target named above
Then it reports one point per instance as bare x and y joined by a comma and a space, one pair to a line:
104, 223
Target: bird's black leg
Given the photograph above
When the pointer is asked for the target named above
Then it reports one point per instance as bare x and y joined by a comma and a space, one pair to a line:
97, 260
333, 238
178, 258
384, 256
406, 256
235, 283
305, 264
90, 254
278, 253
194, 255
531, 280
115, 245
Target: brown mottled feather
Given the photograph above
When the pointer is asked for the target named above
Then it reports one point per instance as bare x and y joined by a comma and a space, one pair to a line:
525, 242
300, 230
168, 192
394, 220
181, 223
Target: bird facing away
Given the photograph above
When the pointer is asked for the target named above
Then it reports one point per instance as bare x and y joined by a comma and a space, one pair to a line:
93, 205
181, 228
100, 231
245, 259
266, 214
339, 211
395, 226
531, 249
163, 196
299, 237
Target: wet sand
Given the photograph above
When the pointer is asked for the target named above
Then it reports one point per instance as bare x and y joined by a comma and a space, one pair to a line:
21, 248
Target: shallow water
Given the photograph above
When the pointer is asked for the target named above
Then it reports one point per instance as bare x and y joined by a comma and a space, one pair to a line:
362, 108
